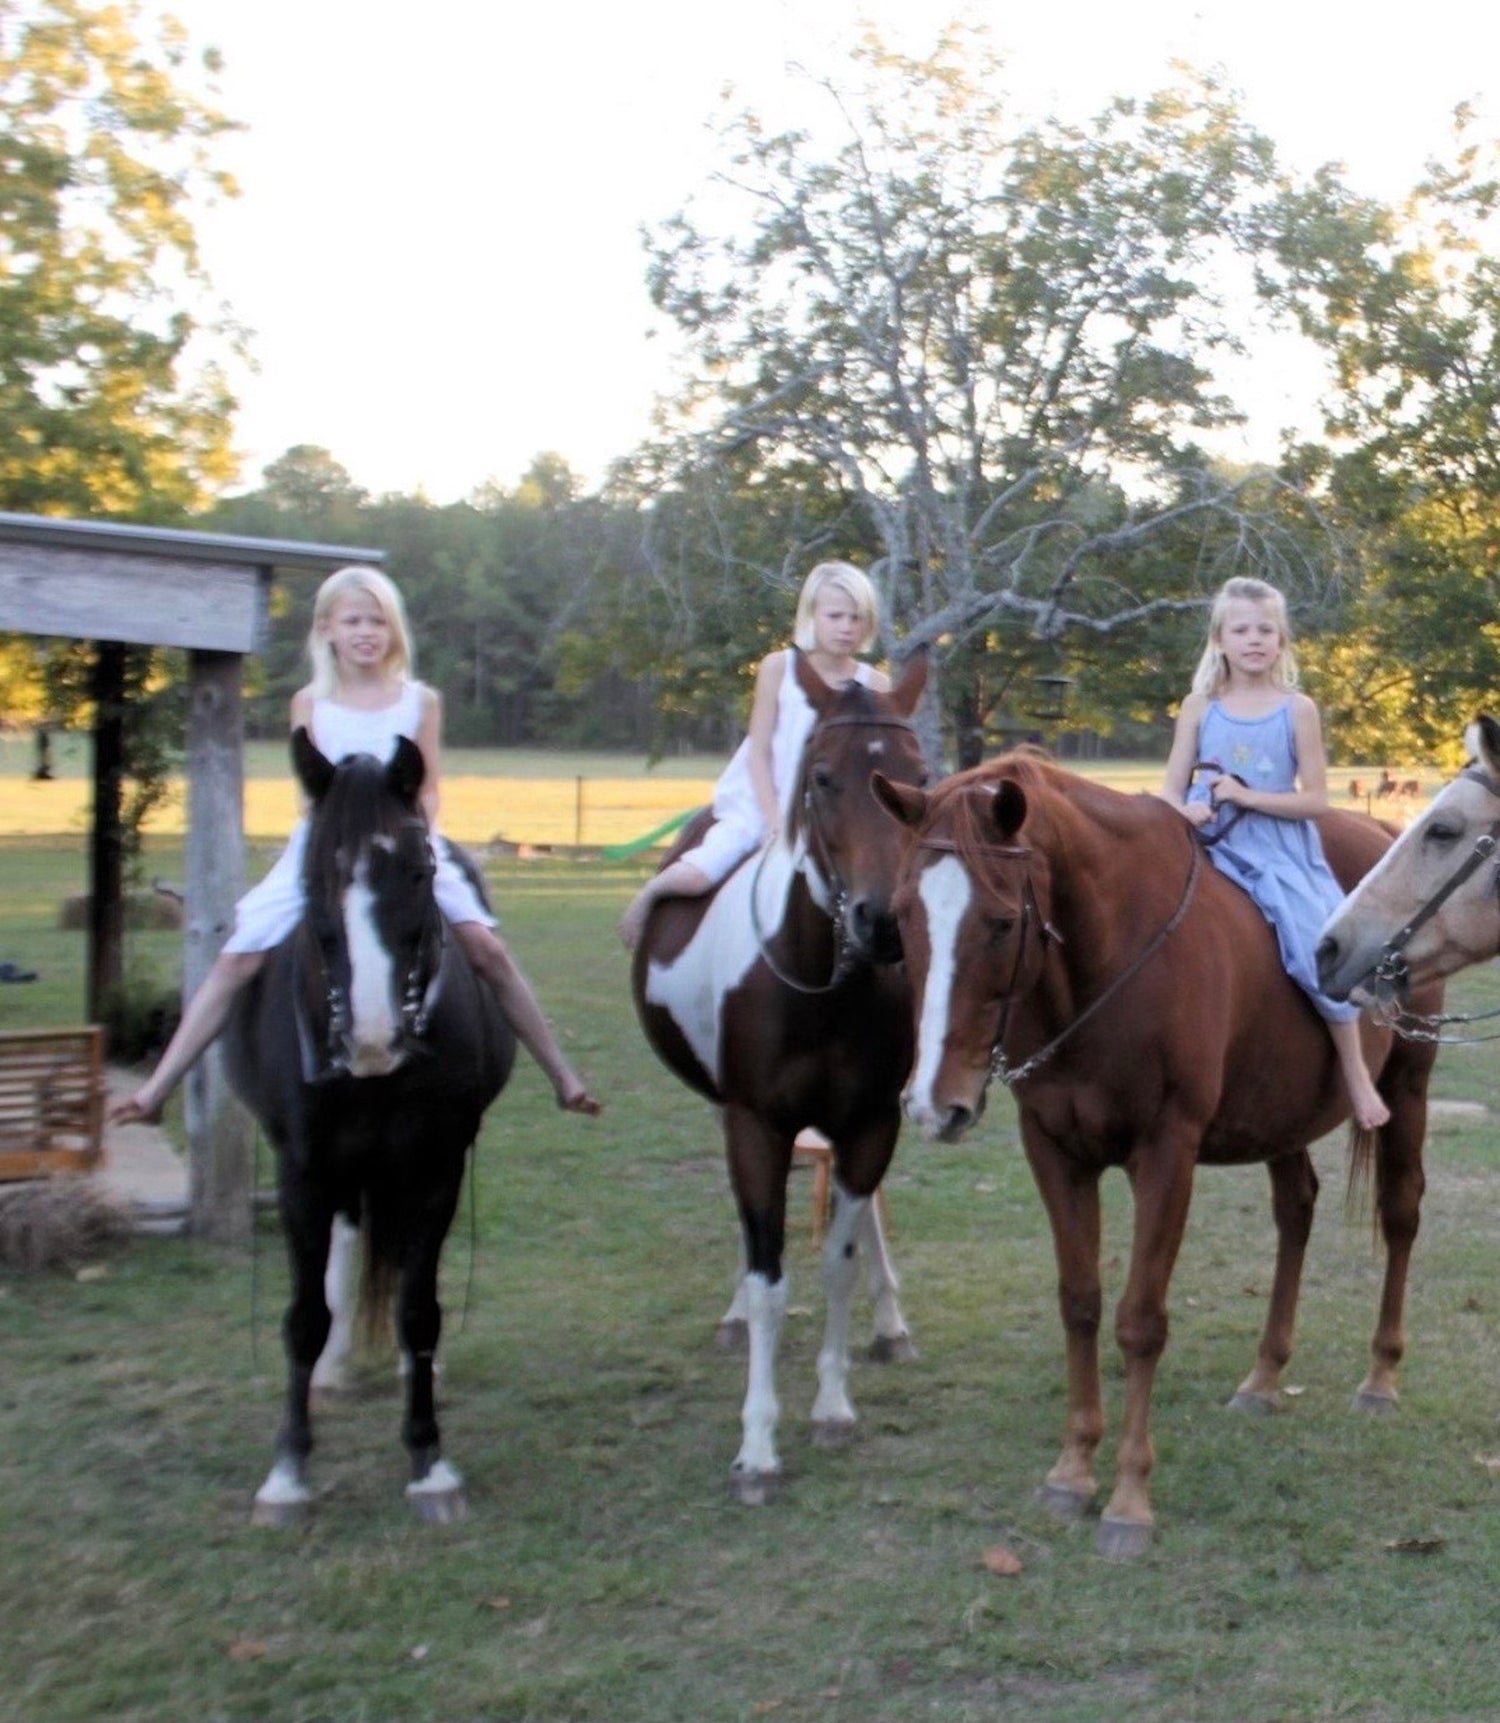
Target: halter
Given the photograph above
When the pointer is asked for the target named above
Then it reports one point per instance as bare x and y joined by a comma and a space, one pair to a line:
1390, 972
1000, 1067
844, 958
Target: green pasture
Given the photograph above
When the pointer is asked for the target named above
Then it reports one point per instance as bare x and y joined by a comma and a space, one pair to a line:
1316, 1565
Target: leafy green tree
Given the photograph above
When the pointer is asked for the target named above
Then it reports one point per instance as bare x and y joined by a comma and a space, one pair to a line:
104, 154
1406, 304
995, 340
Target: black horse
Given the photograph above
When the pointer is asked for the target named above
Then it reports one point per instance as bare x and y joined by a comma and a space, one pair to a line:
369, 1050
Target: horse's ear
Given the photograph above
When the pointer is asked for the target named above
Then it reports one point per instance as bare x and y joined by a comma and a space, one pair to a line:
1482, 739
901, 801
406, 770
910, 683
819, 695
1009, 808
313, 767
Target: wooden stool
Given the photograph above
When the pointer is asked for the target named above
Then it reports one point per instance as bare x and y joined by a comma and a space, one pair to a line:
815, 1150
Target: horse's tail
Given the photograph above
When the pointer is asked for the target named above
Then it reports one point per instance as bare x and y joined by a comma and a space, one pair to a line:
380, 1274
1357, 1193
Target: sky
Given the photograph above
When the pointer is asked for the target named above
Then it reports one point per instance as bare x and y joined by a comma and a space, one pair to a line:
437, 251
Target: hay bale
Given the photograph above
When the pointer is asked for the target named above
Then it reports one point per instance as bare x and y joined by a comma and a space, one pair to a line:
60, 1223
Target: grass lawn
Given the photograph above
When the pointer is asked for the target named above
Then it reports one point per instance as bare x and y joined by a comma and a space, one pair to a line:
1317, 1565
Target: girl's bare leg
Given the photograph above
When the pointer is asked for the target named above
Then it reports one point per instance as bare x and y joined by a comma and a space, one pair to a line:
490, 956
206, 1014
681, 879
1370, 1110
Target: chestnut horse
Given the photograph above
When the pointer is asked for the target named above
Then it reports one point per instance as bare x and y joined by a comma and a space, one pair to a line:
1077, 943
778, 998
1429, 908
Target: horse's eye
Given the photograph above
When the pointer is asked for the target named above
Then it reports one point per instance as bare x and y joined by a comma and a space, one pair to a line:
1001, 928
822, 778
1442, 833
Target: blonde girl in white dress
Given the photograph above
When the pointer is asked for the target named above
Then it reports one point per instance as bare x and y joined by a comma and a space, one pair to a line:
838, 616
361, 698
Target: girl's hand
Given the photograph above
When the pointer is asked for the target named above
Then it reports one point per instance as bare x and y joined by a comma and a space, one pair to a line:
1227, 788
575, 1098
1197, 813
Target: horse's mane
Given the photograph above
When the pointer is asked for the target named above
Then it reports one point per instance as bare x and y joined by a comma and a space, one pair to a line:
971, 828
358, 805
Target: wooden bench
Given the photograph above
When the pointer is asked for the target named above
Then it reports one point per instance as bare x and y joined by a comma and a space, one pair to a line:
51, 1102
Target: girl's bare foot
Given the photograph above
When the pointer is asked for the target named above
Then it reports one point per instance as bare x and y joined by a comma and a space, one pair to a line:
1370, 1110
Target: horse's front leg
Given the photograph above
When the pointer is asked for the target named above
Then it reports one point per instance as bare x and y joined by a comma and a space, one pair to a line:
1294, 1195
759, 1160
1399, 1186
435, 1490
1070, 1194
1161, 1177
306, 1219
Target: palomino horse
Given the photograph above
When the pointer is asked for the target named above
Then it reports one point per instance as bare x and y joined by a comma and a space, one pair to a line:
777, 998
369, 1050
1077, 944
1429, 908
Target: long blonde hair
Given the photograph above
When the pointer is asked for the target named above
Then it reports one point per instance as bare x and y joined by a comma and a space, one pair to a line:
855, 585
357, 577
1213, 670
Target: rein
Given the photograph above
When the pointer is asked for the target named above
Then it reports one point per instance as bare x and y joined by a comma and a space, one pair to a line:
1000, 1067
844, 960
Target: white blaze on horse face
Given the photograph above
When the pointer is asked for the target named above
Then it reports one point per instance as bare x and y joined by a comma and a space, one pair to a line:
691, 988
372, 1013
945, 892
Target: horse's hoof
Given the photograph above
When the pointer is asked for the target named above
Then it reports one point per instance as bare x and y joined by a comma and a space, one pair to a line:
832, 1432
1252, 1400
438, 1507
733, 1336
1064, 1503
278, 1516
1378, 1402
1123, 1540
893, 1349
754, 1489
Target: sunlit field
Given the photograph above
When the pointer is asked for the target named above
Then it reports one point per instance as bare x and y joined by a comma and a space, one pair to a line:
528, 797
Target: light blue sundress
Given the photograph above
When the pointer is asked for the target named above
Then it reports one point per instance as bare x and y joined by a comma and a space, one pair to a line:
1279, 862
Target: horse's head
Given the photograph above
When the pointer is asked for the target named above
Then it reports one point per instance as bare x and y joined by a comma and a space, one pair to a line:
971, 903
374, 928
1428, 907
850, 859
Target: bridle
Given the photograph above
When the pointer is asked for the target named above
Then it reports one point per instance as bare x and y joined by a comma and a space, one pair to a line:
1035, 925
1390, 972
816, 849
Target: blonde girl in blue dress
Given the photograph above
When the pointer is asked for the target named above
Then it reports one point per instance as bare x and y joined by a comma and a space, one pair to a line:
837, 618
361, 698
1267, 777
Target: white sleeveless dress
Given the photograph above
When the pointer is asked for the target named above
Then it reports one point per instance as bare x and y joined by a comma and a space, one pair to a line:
268, 912
738, 829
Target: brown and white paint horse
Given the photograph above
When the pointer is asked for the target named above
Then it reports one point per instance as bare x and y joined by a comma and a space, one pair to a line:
777, 997
1076, 943
1429, 908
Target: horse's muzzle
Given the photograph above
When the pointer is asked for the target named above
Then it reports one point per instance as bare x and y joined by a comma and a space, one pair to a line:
873, 933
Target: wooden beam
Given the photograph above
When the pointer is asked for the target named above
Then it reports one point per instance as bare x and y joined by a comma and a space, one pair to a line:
102, 594
221, 1170
107, 840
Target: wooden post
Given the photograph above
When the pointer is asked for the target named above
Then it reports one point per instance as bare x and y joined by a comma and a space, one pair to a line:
107, 843
221, 1171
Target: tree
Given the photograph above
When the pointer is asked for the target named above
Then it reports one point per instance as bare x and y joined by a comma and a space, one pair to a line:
995, 340
1407, 307
103, 155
